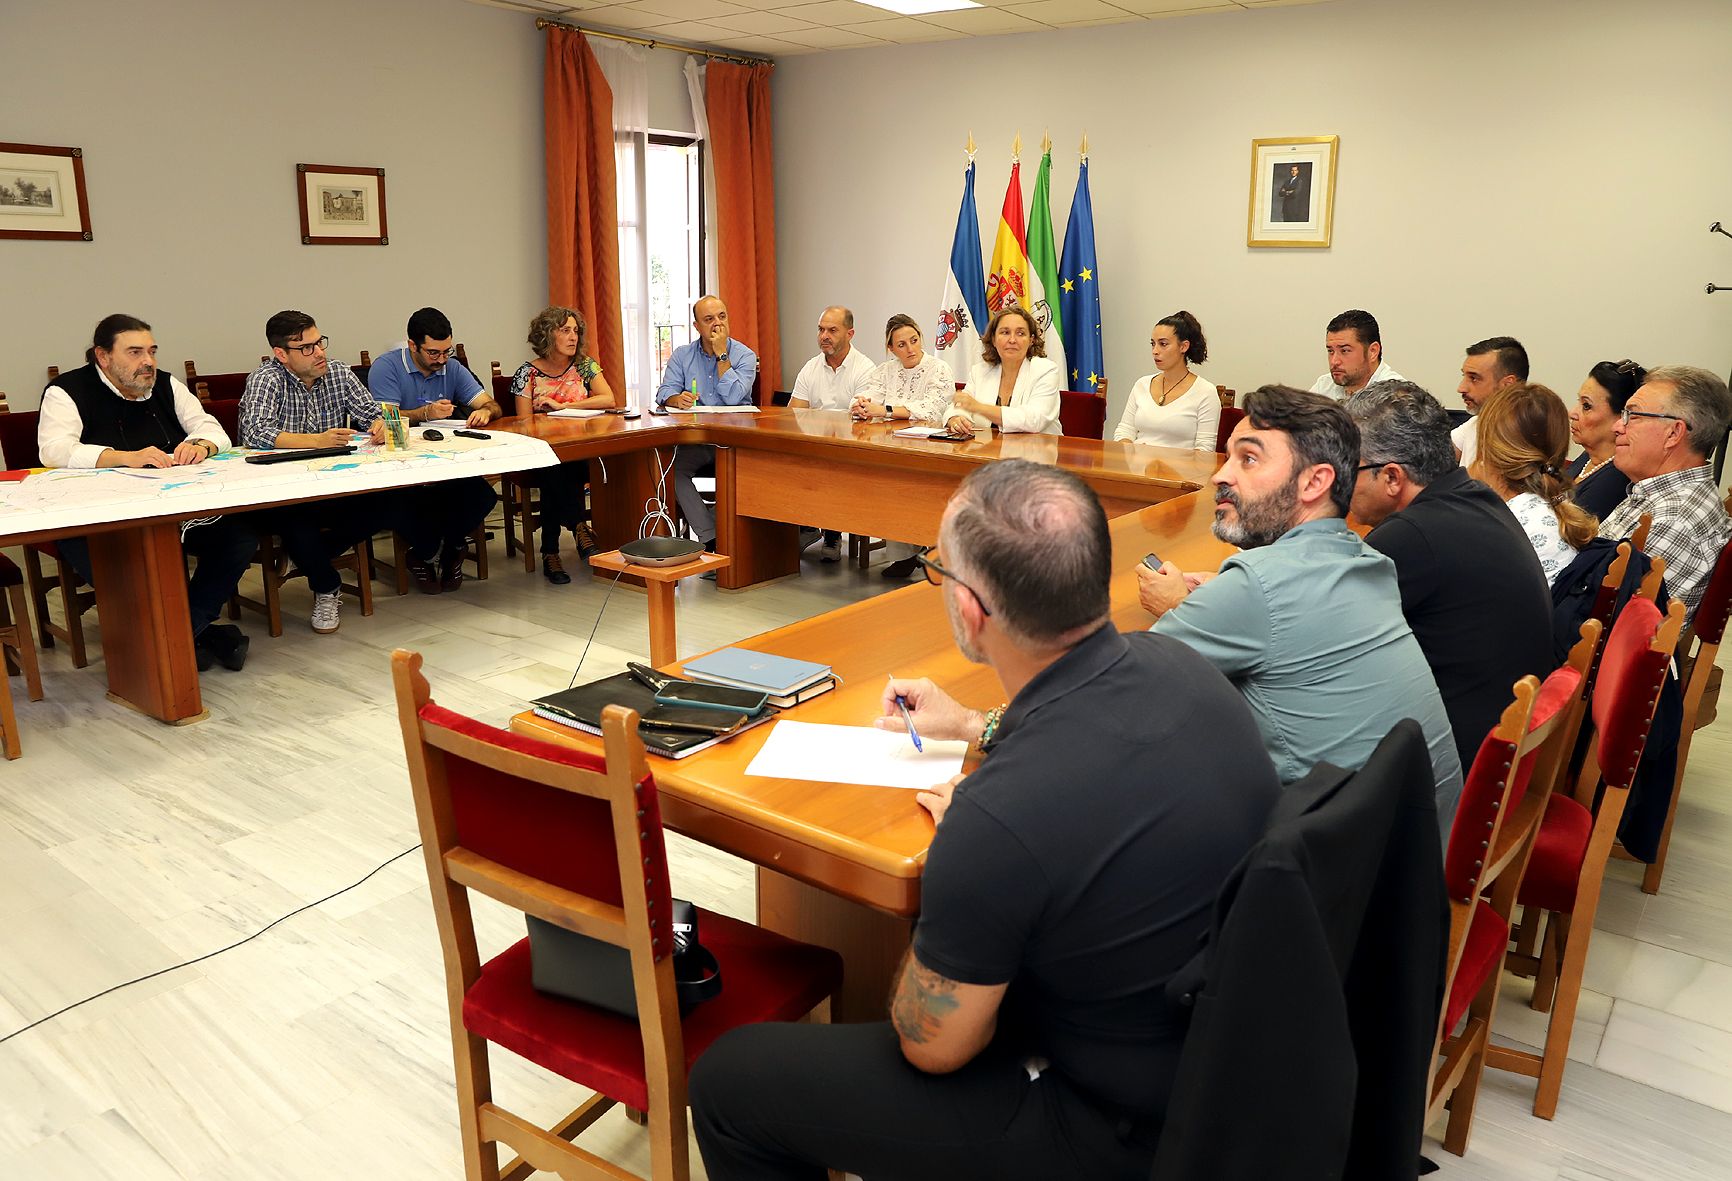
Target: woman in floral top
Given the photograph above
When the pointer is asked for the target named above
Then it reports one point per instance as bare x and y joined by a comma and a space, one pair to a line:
561, 377
1524, 437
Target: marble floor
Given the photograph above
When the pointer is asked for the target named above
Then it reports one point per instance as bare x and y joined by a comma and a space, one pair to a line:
319, 1050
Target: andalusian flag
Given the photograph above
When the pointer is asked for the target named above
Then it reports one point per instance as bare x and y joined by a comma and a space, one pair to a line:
962, 307
1007, 280
1080, 289
1043, 267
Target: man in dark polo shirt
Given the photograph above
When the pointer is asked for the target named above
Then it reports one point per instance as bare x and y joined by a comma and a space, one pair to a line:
1471, 585
1070, 876
120, 411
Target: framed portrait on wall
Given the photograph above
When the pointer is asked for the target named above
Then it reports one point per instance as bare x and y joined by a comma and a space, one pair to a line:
341, 206
42, 193
1293, 191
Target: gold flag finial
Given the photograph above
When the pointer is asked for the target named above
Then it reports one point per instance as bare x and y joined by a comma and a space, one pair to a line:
971, 147
1084, 150
1045, 143
1016, 147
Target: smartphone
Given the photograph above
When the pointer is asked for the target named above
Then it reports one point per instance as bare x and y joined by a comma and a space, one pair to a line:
750, 702
1153, 562
692, 719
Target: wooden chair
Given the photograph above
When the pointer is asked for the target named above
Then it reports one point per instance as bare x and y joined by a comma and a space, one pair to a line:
398, 567
19, 652
1230, 416
1696, 653
575, 840
1228, 397
18, 444
274, 570
1082, 414
1575, 837
1505, 795
217, 386
1639, 535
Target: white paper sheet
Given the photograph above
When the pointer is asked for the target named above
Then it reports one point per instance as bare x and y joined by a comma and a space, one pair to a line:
702, 409
920, 432
854, 754
573, 412
442, 423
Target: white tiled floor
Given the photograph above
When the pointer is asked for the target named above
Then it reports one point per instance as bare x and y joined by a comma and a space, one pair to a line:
320, 1049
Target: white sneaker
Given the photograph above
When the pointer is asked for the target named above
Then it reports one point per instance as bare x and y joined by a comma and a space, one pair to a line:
327, 612
830, 551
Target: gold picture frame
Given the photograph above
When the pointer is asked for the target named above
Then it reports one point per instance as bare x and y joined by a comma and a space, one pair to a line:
1293, 192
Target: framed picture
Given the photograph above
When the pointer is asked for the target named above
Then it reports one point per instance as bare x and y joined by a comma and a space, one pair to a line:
1293, 191
341, 206
42, 193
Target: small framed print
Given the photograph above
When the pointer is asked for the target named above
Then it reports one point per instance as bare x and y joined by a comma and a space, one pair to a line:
1293, 191
341, 206
42, 193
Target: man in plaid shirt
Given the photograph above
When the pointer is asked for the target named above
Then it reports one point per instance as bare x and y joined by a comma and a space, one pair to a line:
1662, 442
300, 398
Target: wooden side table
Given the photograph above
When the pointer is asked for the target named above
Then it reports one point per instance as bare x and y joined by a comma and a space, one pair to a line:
659, 582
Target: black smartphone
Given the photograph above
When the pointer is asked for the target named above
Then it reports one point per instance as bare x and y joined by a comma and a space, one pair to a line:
466, 434
1153, 562
747, 701
692, 720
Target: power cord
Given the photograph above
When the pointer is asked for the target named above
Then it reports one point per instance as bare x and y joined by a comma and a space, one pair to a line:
207, 955
656, 508
594, 627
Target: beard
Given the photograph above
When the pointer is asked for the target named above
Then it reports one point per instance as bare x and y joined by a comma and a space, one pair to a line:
139, 383
1259, 522
956, 632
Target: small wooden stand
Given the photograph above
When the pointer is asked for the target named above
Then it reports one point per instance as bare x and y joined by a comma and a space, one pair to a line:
659, 582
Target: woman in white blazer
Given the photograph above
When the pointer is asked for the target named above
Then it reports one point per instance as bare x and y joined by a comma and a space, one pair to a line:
1015, 387
1174, 407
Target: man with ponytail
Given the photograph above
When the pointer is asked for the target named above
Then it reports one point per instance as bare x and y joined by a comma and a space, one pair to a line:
1471, 585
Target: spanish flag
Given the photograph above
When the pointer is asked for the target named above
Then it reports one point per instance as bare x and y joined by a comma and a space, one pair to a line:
1007, 281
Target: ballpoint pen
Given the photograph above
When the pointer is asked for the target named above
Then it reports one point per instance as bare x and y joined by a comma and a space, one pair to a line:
902, 704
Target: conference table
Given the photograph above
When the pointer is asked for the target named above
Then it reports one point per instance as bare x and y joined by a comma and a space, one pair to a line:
840, 864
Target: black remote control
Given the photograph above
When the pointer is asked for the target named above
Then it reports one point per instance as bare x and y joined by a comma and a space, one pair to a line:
472, 434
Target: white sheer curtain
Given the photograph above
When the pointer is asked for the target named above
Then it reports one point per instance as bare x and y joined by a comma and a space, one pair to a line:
701, 123
627, 71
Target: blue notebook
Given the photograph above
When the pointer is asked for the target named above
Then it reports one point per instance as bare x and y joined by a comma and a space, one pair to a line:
775, 675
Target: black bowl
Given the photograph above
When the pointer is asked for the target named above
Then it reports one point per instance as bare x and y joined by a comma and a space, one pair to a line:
661, 551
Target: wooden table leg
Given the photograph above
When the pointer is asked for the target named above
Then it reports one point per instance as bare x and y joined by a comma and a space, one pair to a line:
663, 649
616, 504
761, 549
147, 644
870, 942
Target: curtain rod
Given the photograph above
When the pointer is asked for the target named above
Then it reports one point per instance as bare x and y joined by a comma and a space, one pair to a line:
542, 22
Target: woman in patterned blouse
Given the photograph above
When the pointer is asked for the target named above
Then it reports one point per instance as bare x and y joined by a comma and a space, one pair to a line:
1524, 437
561, 377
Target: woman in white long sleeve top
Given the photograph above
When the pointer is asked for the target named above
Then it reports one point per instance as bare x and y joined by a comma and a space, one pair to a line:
911, 385
1015, 387
1174, 407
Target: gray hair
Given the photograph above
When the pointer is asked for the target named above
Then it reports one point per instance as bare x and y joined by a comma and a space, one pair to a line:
1400, 423
1701, 399
1033, 540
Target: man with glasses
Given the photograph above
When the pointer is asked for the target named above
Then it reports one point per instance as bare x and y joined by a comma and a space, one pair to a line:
426, 381
1306, 619
1662, 441
302, 398
1069, 878
1471, 584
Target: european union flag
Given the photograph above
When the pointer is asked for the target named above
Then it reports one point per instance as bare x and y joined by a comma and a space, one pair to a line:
1079, 297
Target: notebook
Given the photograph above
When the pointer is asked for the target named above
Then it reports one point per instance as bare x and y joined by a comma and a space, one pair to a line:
580, 708
779, 676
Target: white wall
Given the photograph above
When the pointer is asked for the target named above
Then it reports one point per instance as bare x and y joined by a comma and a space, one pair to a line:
1546, 169
192, 116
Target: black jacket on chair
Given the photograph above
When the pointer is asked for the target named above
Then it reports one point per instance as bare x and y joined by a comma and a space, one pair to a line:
1315, 1002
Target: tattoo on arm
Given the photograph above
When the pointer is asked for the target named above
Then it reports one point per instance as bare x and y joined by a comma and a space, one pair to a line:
923, 1000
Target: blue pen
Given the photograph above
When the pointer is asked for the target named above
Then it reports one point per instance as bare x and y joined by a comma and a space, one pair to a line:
902, 704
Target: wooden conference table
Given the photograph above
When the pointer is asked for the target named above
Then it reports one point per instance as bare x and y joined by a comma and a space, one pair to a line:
840, 864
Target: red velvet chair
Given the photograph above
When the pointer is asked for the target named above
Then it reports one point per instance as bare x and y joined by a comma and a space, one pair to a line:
18, 445
575, 840
217, 387
17, 653
1230, 416
1575, 838
1505, 795
1082, 415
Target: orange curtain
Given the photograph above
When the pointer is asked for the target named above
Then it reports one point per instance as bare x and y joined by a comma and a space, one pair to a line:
582, 200
737, 99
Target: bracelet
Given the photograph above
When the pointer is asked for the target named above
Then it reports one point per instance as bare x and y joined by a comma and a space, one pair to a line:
993, 718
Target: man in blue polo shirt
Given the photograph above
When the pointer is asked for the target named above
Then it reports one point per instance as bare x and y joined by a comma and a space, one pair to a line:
427, 382
714, 370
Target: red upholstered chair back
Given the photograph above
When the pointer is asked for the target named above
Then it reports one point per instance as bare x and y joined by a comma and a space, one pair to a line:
1627, 686
1230, 416
1709, 622
1082, 415
18, 439
215, 386
1485, 795
227, 412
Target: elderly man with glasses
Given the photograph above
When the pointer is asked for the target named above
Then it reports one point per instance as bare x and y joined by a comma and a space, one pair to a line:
1662, 441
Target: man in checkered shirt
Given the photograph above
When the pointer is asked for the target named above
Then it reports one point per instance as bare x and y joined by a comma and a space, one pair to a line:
1662, 442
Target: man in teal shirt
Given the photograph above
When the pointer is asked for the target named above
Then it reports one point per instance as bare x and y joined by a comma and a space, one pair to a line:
1306, 619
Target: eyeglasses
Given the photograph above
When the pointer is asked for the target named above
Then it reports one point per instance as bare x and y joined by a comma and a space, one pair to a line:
436, 354
936, 574
308, 349
1628, 414
1371, 467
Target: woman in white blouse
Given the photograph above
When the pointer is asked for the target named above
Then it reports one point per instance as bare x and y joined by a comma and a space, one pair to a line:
1524, 437
911, 385
1174, 407
1015, 387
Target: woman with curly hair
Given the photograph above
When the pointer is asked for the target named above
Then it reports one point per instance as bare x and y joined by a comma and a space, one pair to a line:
1015, 387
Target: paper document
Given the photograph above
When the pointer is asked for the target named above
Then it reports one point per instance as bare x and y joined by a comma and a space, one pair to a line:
854, 754
573, 412
700, 408
444, 422
920, 432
